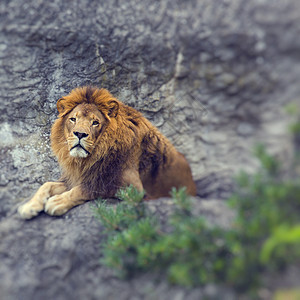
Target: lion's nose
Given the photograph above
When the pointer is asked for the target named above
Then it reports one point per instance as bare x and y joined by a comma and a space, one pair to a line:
80, 135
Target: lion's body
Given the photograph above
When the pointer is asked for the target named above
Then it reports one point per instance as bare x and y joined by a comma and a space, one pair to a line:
103, 145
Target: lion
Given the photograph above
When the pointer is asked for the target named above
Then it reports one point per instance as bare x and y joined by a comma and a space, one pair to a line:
102, 145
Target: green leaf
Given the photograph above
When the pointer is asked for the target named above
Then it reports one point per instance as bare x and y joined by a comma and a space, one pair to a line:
282, 235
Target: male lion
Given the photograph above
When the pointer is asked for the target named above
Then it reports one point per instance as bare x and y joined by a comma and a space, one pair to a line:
101, 145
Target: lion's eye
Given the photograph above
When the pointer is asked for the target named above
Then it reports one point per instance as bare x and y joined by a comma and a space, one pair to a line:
95, 123
73, 120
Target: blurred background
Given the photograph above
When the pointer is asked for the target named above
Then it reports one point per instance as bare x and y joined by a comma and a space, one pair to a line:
214, 76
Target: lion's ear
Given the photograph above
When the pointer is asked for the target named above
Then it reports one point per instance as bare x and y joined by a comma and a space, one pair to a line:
113, 108
60, 105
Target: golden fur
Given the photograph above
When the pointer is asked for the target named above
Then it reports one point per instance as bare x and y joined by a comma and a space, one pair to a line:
101, 145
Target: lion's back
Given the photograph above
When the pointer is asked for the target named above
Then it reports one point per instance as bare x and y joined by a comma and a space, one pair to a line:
162, 167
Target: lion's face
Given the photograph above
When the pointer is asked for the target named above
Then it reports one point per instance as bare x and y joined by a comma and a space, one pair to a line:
82, 128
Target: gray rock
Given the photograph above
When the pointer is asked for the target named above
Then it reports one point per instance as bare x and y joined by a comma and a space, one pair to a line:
214, 76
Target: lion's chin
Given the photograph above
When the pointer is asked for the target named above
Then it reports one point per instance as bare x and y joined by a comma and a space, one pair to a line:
79, 152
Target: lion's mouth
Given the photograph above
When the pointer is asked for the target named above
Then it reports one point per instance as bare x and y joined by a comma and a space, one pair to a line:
80, 147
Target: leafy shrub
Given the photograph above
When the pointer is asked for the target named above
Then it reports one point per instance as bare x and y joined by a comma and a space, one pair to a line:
265, 236
190, 251
267, 207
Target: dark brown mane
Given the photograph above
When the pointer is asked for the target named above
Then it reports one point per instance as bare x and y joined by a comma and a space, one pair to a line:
90, 91
104, 177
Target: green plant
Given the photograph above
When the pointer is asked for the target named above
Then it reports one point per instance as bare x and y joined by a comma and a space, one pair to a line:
265, 236
282, 241
189, 251
265, 202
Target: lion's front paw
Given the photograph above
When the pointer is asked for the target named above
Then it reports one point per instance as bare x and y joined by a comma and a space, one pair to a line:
56, 206
29, 210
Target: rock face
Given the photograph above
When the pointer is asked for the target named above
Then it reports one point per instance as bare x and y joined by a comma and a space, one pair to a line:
213, 76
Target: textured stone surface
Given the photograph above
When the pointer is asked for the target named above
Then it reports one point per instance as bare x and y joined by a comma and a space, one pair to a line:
212, 75
48, 258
